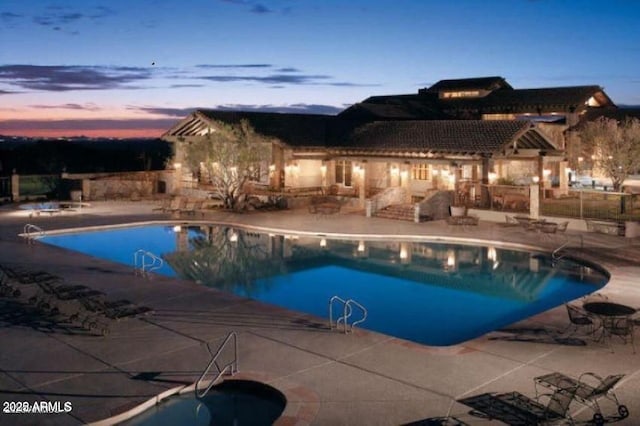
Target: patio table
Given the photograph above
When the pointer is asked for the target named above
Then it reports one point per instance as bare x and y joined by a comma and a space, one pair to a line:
608, 313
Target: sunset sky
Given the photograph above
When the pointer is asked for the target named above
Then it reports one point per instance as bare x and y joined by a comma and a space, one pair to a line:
134, 67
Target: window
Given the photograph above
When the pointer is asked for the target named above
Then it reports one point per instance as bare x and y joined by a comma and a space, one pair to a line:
460, 94
420, 171
343, 172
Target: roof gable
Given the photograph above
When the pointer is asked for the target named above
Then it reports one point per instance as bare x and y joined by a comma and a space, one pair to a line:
291, 129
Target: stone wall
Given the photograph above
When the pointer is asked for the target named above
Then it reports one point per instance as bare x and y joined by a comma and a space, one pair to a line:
131, 186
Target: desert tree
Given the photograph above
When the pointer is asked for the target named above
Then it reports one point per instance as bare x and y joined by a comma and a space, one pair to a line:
228, 158
613, 147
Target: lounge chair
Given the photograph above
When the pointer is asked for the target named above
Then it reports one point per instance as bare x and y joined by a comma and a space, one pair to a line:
515, 408
586, 392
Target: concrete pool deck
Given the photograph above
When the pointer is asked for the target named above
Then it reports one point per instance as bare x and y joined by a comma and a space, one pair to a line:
328, 378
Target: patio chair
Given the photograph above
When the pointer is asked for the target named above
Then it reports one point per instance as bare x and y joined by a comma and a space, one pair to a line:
579, 318
621, 327
586, 392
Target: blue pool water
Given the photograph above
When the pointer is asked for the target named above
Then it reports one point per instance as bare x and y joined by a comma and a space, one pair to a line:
431, 293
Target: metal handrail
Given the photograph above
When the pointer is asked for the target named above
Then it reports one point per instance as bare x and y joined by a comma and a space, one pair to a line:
362, 308
28, 230
346, 313
233, 365
556, 255
333, 299
145, 261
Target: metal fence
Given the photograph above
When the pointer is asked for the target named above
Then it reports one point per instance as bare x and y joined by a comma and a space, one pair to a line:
38, 185
593, 204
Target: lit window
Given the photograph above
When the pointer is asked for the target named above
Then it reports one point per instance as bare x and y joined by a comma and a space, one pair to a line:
420, 171
343, 172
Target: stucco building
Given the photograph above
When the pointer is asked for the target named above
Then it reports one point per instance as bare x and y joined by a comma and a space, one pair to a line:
457, 134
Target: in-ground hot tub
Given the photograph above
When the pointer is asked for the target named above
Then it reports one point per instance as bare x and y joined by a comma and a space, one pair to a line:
232, 402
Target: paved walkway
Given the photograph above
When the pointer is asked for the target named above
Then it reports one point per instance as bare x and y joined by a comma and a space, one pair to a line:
328, 378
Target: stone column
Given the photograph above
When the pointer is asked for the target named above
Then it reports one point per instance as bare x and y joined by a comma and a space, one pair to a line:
534, 200
362, 191
564, 178
15, 187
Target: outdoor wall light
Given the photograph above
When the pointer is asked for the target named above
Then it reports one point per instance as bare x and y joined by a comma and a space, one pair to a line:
177, 228
233, 237
272, 167
546, 173
323, 242
361, 246
177, 165
535, 179
580, 159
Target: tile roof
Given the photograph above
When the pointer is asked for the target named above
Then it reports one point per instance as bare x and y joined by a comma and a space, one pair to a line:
545, 99
292, 129
427, 106
615, 113
450, 136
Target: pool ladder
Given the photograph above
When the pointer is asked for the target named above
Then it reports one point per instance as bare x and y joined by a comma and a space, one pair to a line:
230, 368
32, 232
347, 311
145, 262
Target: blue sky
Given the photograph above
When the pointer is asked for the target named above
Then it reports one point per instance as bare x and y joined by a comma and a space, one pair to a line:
132, 66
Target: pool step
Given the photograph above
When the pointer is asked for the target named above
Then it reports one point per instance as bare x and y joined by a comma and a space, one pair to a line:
397, 212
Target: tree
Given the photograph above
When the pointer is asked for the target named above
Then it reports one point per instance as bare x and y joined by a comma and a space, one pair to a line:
228, 158
613, 147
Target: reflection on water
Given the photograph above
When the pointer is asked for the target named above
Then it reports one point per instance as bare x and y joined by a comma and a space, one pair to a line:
433, 293
245, 262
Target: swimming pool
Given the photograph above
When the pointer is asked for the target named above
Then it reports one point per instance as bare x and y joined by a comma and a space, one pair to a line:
432, 293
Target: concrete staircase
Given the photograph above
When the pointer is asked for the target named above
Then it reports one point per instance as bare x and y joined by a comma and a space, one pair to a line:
398, 212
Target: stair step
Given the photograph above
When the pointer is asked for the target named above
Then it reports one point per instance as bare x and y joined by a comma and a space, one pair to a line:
397, 212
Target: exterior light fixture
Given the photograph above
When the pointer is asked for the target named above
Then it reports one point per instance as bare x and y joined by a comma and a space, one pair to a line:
233, 237
535, 179
272, 167
177, 228
323, 242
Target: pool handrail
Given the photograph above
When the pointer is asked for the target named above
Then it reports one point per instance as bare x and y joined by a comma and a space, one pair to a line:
141, 264
346, 313
233, 364
28, 231
362, 308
